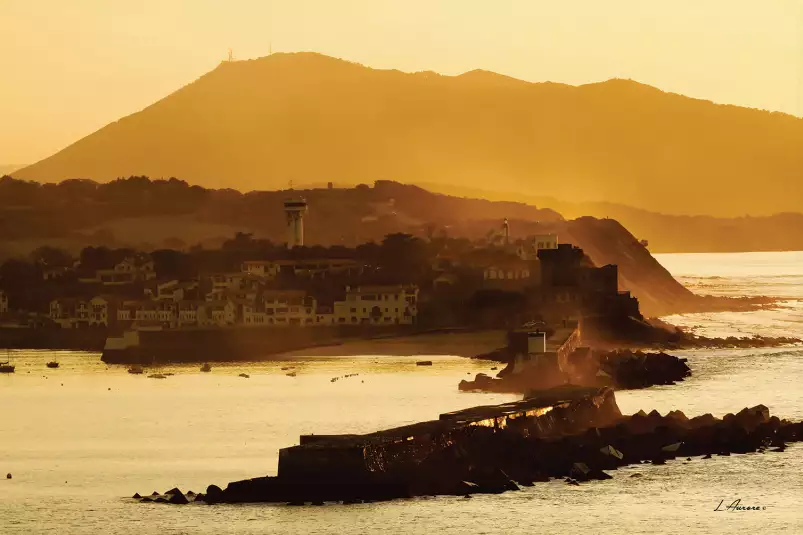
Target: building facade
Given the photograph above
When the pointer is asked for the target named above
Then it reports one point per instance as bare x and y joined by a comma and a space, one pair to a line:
378, 305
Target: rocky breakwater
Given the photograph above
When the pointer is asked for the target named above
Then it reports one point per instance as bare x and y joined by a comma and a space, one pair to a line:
620, 369
576, 434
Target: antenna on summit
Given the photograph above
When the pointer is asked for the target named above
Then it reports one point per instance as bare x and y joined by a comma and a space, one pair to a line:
231, 55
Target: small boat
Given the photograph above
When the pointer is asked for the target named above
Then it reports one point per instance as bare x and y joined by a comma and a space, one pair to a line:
244, 375
52, 364
136, 370
157, 376
291, 374
206, 367
7, 367
424, 363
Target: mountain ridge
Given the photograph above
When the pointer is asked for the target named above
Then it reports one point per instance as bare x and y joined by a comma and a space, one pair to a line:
257, 124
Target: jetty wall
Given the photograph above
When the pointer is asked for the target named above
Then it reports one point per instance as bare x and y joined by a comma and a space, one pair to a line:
391, 453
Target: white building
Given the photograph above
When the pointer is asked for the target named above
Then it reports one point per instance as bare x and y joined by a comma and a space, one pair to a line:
217, 314
188, 313
268, 269
103, 310
131, 269
378, 305
507, 270
533, 244
282, 308
174, 290
70, 312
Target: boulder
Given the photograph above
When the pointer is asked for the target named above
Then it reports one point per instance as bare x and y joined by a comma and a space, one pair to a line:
136, 496
704, 420
146, 500
750, 418
678, 417
178, 499
579, 471
154, 493
160, 500
493, 482
214, 494
174, 490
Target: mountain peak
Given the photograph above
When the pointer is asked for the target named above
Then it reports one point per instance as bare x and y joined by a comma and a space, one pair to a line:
308, 117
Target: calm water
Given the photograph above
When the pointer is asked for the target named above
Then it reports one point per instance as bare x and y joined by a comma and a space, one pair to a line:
79, 439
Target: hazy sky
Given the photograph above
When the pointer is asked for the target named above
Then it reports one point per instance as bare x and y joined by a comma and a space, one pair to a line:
68, 67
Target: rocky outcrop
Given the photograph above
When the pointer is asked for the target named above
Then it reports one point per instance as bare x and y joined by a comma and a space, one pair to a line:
621, 369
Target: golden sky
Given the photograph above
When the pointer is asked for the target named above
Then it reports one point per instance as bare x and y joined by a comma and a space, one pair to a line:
68, 67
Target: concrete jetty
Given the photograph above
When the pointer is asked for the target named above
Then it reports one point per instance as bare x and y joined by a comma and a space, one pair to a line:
573, 433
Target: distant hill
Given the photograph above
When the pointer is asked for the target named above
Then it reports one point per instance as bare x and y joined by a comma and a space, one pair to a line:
309, 118
668, 233
7, 168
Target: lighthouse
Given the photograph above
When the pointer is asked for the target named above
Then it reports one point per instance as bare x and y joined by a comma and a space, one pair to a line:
295, 209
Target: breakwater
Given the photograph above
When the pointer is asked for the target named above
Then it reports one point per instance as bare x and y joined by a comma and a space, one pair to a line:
577, 434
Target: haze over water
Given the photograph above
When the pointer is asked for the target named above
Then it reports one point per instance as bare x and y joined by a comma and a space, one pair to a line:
77, 451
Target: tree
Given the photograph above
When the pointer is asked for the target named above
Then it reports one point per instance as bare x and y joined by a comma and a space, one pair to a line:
51, 257
172, 264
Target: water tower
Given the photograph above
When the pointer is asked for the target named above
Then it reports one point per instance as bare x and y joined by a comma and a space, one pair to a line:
295, 209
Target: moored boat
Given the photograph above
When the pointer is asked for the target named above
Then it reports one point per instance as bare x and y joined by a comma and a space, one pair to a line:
52, 364
135, 370
206, 367
7, 367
